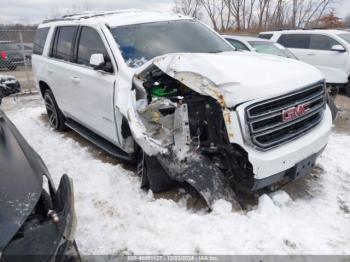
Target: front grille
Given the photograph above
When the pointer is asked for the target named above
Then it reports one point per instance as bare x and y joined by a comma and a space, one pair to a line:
265, 119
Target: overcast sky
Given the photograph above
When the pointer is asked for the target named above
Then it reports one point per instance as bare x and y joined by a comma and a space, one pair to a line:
34, 11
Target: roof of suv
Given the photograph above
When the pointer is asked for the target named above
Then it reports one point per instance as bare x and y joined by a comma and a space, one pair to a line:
331, 31
115, 18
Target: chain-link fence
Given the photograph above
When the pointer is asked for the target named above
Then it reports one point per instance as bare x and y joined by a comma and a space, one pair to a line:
16, 48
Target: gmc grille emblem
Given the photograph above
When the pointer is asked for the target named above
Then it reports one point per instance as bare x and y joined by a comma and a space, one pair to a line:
295, 112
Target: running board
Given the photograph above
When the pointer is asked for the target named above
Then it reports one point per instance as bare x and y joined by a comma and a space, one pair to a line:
98, 141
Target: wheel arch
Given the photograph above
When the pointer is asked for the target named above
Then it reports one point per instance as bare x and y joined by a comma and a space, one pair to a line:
43, 87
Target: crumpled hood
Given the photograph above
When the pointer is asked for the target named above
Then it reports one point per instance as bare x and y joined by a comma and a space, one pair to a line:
238, 76
20, 180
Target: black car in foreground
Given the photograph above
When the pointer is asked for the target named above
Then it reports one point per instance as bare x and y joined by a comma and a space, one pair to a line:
35, 224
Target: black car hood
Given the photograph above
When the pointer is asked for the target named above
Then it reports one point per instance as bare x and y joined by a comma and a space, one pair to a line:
21, 178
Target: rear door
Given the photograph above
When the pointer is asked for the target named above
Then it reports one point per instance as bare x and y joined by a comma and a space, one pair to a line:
59, 66
321, 52
314, 49
94, 89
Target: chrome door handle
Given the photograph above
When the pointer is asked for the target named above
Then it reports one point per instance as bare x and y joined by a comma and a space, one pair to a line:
311, 54
75, 79
50, 70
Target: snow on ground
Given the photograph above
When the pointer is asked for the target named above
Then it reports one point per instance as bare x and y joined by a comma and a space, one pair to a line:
116, 217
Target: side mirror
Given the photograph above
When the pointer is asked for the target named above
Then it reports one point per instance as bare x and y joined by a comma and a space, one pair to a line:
9, 85
97, 61
338, 48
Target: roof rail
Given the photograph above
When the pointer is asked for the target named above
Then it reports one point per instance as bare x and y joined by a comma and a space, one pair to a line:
315, 28
290, 28
89, 14
304, 28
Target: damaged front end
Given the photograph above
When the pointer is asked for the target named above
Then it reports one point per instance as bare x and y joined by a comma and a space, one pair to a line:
183, 126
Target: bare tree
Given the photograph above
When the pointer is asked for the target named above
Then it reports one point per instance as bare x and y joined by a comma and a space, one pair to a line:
278, 15
347, 20
262, 10
294, 12
250, 12
311, 11
211, 7
255, 15
188, 7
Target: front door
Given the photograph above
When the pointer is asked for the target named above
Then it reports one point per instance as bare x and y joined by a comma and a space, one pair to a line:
94, 88
321, 53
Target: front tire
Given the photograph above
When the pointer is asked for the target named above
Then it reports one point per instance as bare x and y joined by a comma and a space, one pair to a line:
333, 91
56, 118
152, 174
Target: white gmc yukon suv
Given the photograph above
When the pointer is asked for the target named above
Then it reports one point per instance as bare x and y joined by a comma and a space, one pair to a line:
170, 94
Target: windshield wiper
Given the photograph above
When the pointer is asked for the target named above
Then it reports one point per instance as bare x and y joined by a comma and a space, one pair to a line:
216, 52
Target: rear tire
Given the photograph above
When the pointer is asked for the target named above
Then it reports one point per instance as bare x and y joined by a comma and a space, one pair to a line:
56, 118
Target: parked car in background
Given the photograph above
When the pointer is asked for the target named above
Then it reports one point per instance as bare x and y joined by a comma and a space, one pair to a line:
36, 224
10, 55
335, 78
325, 48
6, 59
203, 114
8, 85
258, 45
28, 51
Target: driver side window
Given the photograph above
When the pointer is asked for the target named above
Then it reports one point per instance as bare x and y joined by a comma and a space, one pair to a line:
90, 43
322, 42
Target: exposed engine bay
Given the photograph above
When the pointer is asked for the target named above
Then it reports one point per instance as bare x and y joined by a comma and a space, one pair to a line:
191, 127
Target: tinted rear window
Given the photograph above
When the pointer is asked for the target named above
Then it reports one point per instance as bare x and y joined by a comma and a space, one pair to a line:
266, 36
301, 41
64, 42
39, 40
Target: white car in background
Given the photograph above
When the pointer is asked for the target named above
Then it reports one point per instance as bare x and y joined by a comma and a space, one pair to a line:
258, 45
335, 78
325, 48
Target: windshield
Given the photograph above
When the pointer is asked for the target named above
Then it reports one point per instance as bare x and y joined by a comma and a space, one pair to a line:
346, 37
142, 42
271, 49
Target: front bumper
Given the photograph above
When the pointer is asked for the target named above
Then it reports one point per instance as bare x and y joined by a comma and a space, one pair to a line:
281, 159
301, 169
48, 240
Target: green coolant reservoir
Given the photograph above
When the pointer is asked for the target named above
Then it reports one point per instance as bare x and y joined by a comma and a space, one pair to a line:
160, 91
